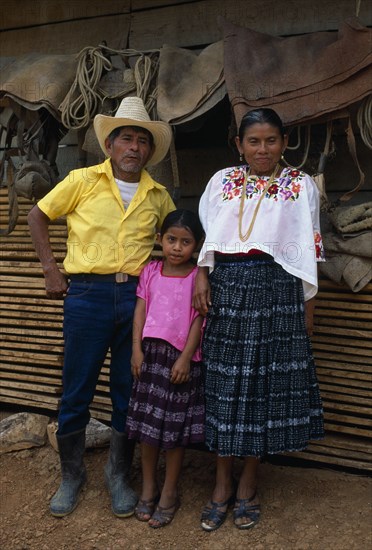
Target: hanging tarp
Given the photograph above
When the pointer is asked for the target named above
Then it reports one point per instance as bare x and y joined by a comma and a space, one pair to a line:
302, 77
189, 83
37, 80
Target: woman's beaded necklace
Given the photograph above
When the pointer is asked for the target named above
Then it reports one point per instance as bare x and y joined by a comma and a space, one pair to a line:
245, 237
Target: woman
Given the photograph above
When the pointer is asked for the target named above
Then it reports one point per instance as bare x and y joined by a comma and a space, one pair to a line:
256, 283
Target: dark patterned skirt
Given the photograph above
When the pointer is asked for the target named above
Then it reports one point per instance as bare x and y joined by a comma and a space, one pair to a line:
262, 395
163, 414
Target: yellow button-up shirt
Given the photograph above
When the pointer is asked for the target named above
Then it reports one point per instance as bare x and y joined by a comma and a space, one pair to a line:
103, 236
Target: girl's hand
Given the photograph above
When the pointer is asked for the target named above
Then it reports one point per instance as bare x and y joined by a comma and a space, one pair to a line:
138, 324
136, 363
202, 293
180, 371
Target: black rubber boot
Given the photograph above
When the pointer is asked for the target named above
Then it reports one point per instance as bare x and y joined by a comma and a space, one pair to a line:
71, 451
123, 498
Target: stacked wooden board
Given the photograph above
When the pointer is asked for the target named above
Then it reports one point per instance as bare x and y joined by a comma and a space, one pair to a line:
32, 348
342, 345
31, 325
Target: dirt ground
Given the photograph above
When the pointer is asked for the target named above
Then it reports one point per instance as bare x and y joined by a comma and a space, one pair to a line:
302, 508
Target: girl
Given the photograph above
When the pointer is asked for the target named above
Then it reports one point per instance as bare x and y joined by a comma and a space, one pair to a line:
166, 410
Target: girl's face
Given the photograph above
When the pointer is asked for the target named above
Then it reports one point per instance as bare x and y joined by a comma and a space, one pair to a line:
262, 147
178, 245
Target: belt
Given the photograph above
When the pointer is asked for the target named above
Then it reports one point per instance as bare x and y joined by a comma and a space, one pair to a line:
98, 278
240, 258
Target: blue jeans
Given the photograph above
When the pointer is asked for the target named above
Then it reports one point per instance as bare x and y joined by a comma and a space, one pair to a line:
98, 317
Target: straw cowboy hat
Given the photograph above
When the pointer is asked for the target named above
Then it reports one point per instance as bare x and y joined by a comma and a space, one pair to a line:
132, 112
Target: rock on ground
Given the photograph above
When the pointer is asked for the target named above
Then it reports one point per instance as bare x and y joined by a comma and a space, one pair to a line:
22, 431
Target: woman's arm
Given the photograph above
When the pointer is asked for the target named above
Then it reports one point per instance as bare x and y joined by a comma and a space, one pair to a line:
309, 315
202, 293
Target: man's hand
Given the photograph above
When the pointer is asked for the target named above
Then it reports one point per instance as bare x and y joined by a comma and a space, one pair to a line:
55, 283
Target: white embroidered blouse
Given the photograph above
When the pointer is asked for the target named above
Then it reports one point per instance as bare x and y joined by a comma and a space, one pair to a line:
287, 224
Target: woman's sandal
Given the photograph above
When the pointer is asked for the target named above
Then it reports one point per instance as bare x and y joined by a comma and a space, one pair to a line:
146, 508
215, 514
243, 509
163, 516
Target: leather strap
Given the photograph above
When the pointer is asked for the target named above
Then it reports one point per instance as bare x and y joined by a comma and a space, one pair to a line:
352, 148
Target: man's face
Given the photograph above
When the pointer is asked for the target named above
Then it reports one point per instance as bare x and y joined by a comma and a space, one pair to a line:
129, 153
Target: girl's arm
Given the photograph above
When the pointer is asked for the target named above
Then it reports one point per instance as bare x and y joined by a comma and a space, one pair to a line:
181, 368
138, 324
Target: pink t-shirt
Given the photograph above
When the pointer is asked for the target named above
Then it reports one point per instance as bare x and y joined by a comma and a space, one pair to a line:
169, 313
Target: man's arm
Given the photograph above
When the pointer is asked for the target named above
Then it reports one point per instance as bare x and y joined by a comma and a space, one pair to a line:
55, 281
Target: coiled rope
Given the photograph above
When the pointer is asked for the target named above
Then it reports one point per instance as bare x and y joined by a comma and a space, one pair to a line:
85, 96
364, 121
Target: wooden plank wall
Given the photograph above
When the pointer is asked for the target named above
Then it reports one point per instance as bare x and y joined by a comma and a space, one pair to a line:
53, 27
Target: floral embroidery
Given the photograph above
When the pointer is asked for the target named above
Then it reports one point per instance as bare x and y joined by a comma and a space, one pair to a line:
286, 188
233, 184
319, 248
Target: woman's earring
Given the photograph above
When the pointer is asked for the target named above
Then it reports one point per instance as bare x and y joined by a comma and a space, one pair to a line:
282, 155
241, 157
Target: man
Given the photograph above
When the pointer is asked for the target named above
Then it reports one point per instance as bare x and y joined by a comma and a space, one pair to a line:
113, 211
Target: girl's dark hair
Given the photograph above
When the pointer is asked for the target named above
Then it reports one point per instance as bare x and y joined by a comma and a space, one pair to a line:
183, 218
261, 116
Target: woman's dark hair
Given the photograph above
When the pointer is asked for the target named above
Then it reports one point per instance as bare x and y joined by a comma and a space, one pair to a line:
183, 218
261, 116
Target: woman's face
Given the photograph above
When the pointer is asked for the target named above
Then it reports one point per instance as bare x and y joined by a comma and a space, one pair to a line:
262, 147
